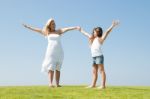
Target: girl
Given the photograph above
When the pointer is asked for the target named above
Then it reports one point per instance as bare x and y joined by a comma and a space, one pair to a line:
96, 41
54, 54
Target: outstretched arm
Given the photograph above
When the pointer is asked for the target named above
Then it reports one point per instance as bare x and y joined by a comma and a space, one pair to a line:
63, 30
114, 24
85, 33
34, 29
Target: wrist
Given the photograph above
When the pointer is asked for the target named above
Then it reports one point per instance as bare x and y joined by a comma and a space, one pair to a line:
113, 25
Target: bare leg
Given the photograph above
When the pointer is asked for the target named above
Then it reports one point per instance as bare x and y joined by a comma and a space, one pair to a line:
57, 75
50, 75
94, 76
103, 75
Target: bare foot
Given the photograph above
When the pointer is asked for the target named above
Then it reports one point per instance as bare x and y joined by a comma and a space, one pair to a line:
51, 86
91, 86
101, 87
58, 86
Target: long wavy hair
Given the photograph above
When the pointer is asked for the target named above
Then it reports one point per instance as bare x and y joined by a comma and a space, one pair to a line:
47, 28
99, 32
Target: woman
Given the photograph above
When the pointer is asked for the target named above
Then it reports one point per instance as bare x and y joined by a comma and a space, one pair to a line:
96, 40
54, 54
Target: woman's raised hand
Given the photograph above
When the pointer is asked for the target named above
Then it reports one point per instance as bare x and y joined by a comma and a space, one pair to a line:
26, 26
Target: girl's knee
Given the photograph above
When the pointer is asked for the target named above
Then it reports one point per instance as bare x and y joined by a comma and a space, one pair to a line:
95, 71
102, 70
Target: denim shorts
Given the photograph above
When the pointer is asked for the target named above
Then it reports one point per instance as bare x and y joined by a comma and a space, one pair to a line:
98, 60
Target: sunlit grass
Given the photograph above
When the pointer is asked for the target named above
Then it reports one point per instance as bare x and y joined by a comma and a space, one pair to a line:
74, 92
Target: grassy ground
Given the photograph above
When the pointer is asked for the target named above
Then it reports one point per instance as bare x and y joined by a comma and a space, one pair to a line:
74, 92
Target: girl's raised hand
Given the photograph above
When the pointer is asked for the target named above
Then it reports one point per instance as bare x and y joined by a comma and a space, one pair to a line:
78, 28
115, 23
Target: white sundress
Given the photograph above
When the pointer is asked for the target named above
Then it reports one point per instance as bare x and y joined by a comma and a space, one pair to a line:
54, 54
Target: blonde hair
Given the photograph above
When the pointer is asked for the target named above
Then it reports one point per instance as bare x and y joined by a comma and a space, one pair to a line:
46, 28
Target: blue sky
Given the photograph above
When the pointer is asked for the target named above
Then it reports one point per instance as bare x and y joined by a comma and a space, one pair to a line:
126, 49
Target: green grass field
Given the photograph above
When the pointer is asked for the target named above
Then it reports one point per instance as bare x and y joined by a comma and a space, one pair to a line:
74, 92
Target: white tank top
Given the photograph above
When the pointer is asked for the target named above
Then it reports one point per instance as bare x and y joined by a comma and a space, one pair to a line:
96, 48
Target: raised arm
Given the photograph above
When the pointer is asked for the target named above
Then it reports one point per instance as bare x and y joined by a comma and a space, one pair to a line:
63, 30
114, 24
85, 33
34, 29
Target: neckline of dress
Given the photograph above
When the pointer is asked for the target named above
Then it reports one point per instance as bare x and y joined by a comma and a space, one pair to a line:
53, 34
